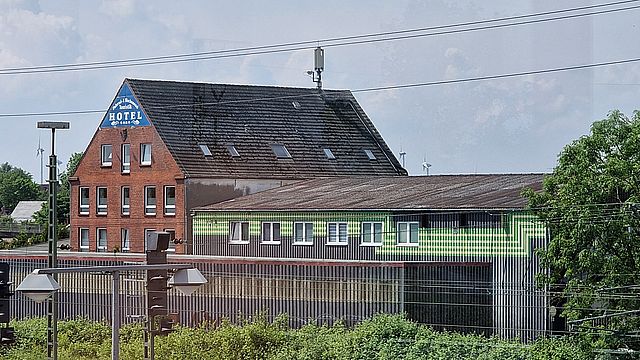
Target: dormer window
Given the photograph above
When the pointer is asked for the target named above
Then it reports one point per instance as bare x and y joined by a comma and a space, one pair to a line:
329, 154
369, 154
280, 151
205, 149
232, 150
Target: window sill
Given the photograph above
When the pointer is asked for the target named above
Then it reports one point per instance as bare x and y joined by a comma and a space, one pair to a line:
238, 242
337, 244
145, 164
126, 173
170, 215
125, 214
150, 215
270, 243
302, 244
84, 214
101, 214
371, 244
105, 165
408, 245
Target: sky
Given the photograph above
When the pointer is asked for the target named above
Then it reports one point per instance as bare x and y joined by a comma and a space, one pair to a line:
509, 125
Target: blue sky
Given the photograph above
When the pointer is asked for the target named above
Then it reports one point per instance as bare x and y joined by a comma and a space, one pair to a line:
498, 126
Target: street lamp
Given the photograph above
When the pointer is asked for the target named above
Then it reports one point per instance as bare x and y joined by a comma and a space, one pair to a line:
40, 284
52, 235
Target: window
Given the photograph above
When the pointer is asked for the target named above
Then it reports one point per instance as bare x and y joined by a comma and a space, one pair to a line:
271, 232
126, 158
303, 233
371, 233
329, 154
280, 151
172, 237
147, 232
239, 231
101, 237
408, 233
102, 200
84, 239
205, 149
232, 150
369, 154
84, 200
150, 200
145, 154
169, 200
107, 155
126, 200
337, 233
124, 239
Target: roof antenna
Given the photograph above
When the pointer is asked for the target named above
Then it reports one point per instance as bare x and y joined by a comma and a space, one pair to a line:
319, 67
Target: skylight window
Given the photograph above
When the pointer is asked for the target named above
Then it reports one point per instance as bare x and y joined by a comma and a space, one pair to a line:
280, 151
369, 154
296, 105
329, 154
205, 149
232, 150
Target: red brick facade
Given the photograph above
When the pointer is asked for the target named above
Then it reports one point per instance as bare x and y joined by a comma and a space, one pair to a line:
92, 174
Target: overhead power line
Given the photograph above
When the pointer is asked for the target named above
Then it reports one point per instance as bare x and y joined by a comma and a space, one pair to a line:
329, 42
363, 90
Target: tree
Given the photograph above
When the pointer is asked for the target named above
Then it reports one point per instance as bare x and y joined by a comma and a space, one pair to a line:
590, 204
64, 194
16, 185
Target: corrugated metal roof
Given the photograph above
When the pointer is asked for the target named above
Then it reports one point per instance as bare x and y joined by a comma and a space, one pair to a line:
25, 210
438, 192
253, 118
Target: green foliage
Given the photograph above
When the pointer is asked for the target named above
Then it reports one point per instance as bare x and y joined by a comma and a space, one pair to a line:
591, 205
16, 185
383, 337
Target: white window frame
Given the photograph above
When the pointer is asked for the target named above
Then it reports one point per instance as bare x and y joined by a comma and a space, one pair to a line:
404, 236
172, 244
106, 159
144, 161
101, 209
83, 242
150, 209
273, 237
341, 234
126, 158
125, 206
98, 246
306, 227
84, 208
125, 240
371, 227
146, 236
169, 209
239, 232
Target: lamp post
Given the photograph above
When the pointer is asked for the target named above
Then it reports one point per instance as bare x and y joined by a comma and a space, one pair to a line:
41, 284
52, 235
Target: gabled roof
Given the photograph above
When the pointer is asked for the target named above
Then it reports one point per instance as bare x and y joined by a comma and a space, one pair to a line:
253, 118
437, 192
25, 210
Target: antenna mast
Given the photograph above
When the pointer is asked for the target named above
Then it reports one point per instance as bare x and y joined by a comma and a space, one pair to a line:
318, 66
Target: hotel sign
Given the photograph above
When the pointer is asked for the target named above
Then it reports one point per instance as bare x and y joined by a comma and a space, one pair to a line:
125, 111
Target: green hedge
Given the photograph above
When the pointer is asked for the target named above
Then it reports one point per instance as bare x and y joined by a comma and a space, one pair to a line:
381, 337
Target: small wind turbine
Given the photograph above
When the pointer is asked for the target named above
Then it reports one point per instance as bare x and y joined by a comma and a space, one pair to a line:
39, 152
425, 166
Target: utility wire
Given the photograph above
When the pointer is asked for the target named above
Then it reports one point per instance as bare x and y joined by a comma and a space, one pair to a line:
363, 90
329, 42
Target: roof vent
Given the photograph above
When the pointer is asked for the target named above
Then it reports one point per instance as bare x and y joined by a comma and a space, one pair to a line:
280, 151
369, 154
296, 105
205, 149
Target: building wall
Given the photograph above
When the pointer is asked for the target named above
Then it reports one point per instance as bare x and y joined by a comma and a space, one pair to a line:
163, 171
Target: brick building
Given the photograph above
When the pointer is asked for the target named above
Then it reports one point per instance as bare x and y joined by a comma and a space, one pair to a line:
165, 147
